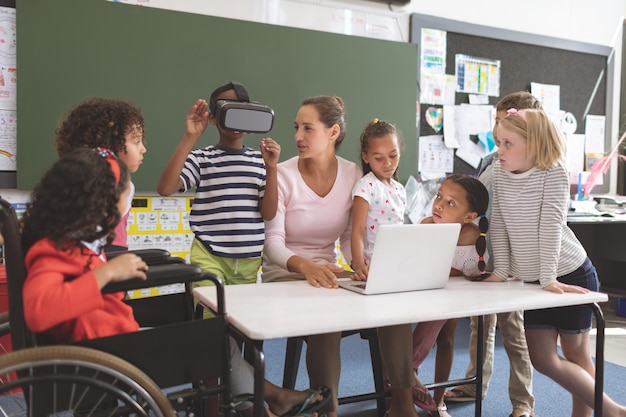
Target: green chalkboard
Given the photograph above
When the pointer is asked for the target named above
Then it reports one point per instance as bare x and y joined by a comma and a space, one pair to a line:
162, 61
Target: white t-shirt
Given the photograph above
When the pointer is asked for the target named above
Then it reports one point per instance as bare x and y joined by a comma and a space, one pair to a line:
387, 205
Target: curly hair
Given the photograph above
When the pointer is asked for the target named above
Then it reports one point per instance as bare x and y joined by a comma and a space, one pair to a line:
98, 122
76, 200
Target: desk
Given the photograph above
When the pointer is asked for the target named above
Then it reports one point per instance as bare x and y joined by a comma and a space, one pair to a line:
284, 309
604, 239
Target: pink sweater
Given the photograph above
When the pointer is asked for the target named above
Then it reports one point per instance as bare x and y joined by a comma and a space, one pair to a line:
306, 224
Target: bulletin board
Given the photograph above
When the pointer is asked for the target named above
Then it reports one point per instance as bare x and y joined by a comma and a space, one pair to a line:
582, 70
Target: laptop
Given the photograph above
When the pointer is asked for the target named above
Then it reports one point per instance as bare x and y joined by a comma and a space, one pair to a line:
409, 257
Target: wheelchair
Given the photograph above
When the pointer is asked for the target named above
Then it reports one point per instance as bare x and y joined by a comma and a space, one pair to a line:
157, 371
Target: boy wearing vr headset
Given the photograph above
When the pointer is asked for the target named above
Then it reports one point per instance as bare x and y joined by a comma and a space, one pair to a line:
236, 186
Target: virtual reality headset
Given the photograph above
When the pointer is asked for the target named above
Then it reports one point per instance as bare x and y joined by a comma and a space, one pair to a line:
240, 115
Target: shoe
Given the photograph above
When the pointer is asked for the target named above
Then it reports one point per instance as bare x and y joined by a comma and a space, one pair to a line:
441, 411
457, 395
424, 406
521, 415
307, 407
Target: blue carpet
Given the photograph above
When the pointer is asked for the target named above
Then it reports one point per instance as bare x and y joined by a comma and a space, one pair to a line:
356, 377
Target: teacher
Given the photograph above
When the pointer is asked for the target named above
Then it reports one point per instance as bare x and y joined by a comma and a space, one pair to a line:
314, 210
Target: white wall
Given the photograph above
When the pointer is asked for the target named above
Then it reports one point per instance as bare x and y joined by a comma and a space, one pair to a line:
580, 20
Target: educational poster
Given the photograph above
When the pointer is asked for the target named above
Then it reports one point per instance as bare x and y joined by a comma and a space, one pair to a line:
477, 75
435, 86
8, 90
435, 159
160, 223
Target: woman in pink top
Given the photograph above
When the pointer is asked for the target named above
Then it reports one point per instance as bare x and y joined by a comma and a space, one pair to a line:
314, 210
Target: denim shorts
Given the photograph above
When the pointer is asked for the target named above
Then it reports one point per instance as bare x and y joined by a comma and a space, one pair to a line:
570, 319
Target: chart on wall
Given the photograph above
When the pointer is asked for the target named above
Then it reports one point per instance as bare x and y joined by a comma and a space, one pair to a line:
8, 90
161, 222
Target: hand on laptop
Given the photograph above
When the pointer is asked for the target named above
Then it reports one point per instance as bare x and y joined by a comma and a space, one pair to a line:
361, 269
321, 275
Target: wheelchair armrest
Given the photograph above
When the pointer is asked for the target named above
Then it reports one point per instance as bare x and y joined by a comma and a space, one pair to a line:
178, 273
158, 275
150, 256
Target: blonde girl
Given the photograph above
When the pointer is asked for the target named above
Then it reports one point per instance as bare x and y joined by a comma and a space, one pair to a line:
532, 242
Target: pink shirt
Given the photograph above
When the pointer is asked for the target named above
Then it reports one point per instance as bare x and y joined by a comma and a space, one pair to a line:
306, 224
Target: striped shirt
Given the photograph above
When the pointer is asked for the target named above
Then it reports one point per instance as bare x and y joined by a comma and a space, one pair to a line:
528, 228
225, 213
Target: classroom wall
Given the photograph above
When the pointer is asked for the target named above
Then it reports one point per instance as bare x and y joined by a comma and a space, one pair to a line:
577, 20
580, 20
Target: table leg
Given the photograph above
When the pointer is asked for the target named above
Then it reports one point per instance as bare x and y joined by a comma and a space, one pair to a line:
254, 354
600, 325
480, 359
476, 379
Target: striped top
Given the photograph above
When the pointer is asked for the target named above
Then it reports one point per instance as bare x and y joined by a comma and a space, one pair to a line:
528, 228
225, 213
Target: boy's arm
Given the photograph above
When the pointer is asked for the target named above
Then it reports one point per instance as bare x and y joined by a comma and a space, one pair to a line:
196, 123
270, 150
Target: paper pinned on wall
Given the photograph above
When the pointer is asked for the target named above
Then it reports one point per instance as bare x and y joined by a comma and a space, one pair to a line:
437, 89
433, 51
434, 156
575, 155
8, 90
477, 75
435, 86
549, 95
470, 153
594, 134
449, 127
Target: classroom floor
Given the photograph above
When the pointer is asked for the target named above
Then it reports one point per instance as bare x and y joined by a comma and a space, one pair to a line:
614, 337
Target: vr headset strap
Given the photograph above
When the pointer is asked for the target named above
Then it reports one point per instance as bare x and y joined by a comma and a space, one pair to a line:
242, 94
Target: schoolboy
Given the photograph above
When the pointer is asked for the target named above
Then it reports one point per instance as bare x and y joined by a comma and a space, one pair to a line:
236, 190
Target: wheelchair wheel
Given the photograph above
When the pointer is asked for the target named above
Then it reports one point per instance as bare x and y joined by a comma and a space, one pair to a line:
76, 381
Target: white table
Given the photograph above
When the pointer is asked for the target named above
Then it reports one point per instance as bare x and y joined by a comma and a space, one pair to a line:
285, 309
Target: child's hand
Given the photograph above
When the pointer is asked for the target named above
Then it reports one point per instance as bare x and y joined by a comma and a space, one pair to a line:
121, 268
560, 288
270, 150
360, 271
197, 119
